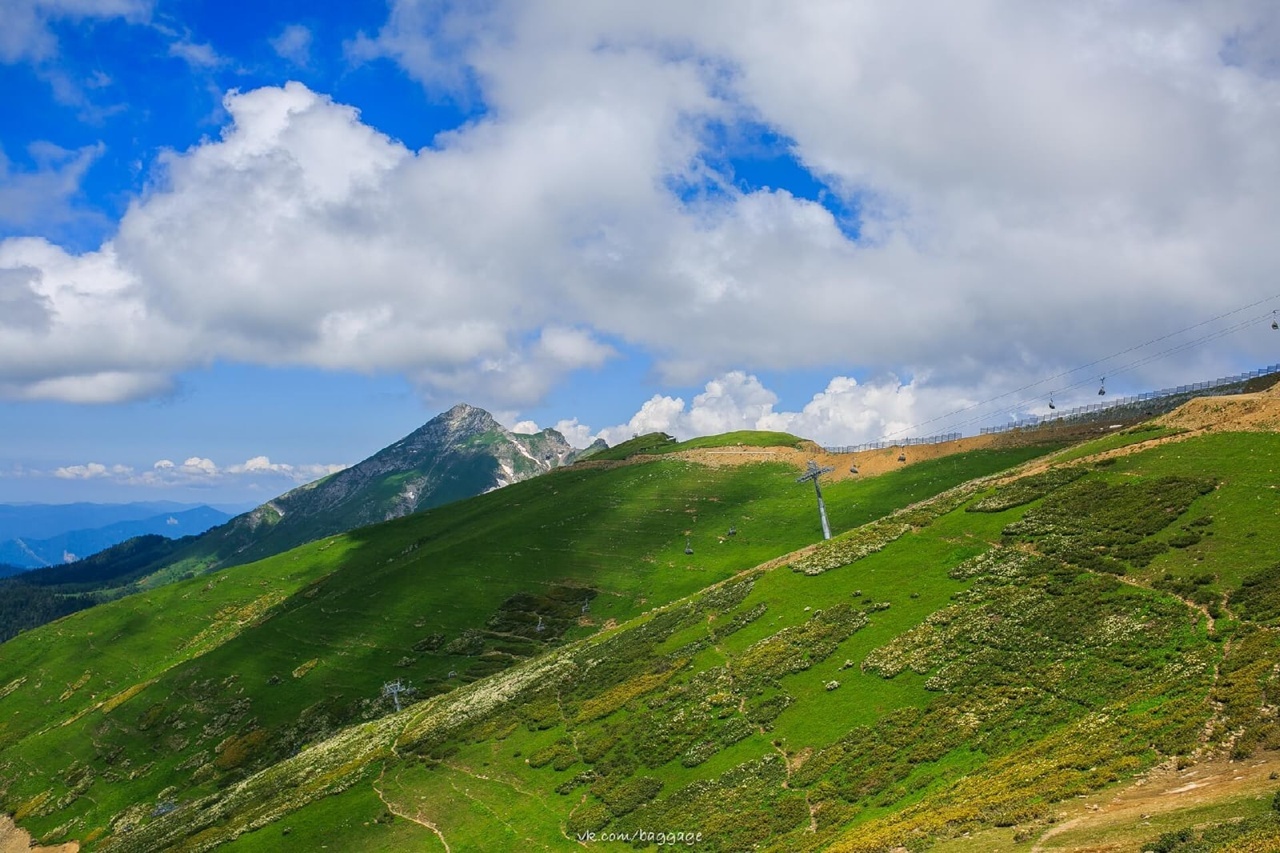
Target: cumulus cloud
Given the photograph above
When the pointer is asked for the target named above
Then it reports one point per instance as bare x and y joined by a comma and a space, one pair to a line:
577, 434
198, 466
845, 412
1015, 186
195, 470
92, 471
298, 473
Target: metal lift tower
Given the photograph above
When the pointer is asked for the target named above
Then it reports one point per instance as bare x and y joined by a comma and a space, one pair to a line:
813, 474
394, 690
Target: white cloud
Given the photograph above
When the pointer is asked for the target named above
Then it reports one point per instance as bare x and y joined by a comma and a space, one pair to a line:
577, 434
845, 412
259, 464
1031, 187
525, 428
658, 414
298, 473
195, 54
92, 471
26, 35
195, 470
44, 195
198, 466
294, 44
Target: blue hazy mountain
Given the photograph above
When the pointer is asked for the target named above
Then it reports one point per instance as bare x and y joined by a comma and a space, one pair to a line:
28, 549
41, 521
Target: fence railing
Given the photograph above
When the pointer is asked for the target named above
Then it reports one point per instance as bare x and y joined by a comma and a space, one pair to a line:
1213, 388
904, 442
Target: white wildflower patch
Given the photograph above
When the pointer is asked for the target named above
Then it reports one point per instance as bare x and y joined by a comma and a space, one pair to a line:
1118, 627
998, 563
919, 650
851, 547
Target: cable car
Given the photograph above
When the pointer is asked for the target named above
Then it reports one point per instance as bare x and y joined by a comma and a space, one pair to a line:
733, 531
902, 457
1102, 389
1274, 323
688, 549
1051, 405
853, 469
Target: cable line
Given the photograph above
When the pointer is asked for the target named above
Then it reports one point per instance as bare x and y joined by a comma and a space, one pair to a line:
888, 436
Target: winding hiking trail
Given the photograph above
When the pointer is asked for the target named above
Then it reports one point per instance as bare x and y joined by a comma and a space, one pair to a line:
402, 813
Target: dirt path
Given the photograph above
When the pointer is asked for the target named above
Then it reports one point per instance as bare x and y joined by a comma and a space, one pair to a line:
1160, 791
14, 839
401, 813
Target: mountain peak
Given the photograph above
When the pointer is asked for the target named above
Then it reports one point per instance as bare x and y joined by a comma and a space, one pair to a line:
462, 410
459, 453
464, 419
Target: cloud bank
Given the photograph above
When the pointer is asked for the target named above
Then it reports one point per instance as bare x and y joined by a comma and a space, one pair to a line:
1008, 188
845, 412
194, 471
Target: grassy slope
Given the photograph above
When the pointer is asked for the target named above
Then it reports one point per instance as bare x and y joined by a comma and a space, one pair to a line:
1036, 682
210, 679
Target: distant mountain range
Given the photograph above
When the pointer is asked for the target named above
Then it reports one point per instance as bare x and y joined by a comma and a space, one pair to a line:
44, 521
37, 535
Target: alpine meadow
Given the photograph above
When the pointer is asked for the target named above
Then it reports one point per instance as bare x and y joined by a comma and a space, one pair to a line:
596, 425
997, 647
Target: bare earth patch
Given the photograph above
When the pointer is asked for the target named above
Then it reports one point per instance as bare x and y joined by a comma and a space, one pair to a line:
1258, 412
16, 840
1116, 820
868, 462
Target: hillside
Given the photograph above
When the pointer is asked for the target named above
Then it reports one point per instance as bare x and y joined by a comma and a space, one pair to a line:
38, 596
972, 666
460, 453
114, 716
977, 661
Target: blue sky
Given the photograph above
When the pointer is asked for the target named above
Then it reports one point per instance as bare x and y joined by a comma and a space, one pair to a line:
241, 244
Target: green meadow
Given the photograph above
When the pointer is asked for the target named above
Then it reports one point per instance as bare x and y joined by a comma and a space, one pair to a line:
969, 656
113, 716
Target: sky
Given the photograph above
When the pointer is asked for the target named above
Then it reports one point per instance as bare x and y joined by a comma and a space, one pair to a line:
245, 244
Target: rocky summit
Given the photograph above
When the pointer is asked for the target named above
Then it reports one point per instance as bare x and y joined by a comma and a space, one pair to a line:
457, 454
